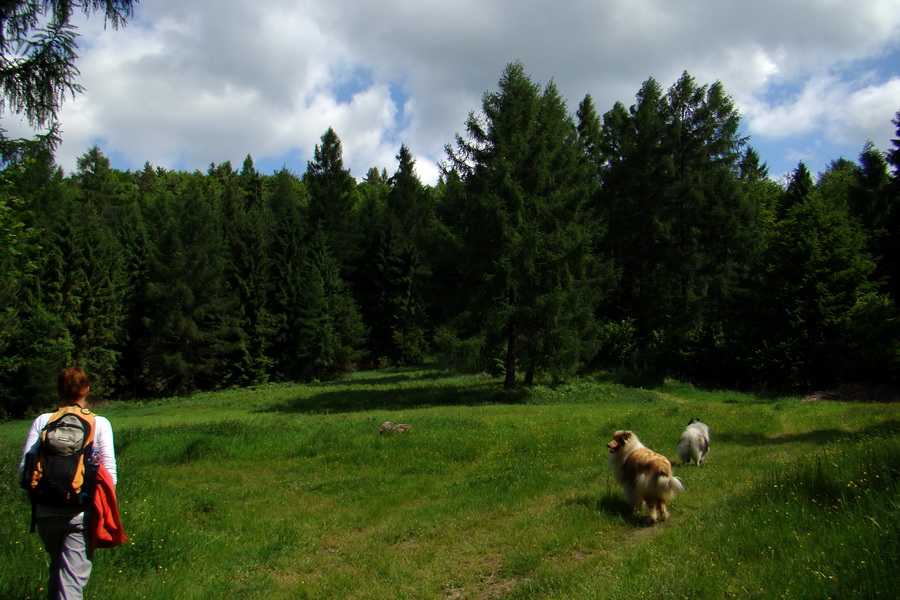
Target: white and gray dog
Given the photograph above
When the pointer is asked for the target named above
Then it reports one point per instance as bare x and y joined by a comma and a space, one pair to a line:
694, 442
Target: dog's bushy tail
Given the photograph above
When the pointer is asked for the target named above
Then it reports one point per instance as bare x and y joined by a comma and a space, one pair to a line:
668, 486
658, 485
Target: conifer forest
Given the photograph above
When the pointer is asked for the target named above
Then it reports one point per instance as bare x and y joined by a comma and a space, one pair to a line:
643, 238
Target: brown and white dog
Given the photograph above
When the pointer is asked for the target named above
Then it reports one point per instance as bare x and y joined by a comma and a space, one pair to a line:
694, 442
645, 475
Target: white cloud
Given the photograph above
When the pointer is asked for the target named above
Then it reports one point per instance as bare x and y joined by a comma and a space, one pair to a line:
803, 113
190, 83
864, 114
840, 113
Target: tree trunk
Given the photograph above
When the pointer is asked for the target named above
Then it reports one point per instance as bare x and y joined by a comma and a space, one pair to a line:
529, 372
511, 340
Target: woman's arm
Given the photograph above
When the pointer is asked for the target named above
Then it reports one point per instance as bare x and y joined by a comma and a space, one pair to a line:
33, 439
103, 444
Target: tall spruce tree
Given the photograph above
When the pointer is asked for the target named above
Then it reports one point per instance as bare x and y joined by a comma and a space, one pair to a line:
331, 332
817, 290
528, 232
762, 195
76, 303
679, 225
869, 199
800, 185
189, 307
372, 192
332, 199
393, 271
33, 340
19, 246
761, 192
447, 293
137, 248
245, 229
94, 291
288, 276
38, 52
710, 219
875, 200
109, 197
83, 284
590, 132
635, 172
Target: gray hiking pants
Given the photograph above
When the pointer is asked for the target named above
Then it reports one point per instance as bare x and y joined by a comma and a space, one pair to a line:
67, 540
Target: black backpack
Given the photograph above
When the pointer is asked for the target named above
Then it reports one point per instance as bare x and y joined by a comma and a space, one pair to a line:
63, 471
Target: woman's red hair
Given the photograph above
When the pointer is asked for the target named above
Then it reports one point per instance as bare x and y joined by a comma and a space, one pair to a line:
72, 384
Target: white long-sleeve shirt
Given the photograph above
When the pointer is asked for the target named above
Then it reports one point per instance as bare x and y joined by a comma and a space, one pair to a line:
103, 442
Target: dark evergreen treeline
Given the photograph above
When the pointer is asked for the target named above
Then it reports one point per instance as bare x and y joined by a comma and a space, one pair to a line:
648, 238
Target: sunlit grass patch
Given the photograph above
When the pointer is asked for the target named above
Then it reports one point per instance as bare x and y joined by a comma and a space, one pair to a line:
288, 492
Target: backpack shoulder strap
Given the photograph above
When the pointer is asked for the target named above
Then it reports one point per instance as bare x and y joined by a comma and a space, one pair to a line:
88, 416
58, 414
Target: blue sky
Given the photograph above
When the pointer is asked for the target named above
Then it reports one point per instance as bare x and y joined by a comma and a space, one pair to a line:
193, 82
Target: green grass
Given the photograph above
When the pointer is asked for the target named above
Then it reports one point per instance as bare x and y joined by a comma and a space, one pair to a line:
289, 492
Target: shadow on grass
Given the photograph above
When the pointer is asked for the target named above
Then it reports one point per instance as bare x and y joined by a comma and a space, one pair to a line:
821, 436
653, 382
344, 401
610, 504
401, 376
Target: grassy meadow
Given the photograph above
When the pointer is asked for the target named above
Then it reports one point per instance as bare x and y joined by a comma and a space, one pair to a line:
290, 492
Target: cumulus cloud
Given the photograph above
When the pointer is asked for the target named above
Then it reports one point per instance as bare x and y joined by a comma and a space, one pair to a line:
190, 83
863, 116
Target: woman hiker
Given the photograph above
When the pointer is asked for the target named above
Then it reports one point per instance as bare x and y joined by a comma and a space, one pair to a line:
67, 531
